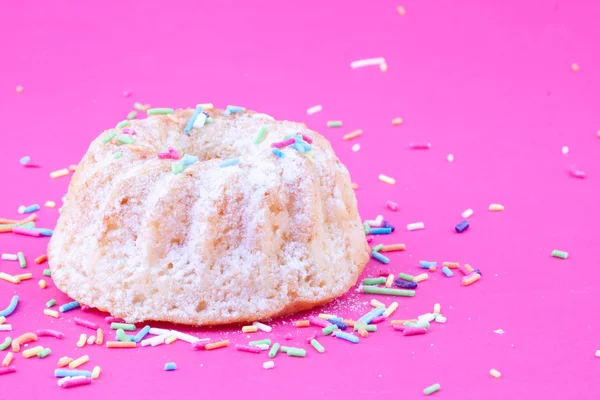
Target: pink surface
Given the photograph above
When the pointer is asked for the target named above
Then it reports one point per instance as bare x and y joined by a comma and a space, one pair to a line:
491, 85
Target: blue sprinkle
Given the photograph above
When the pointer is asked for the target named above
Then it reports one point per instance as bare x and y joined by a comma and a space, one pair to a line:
462, 226
69, 306
448, 272
478, 271
25, 160
278, 152
31, 208
371, 315
188, 160
61, 373
141, 334
339, 322
233, 109
347, 336
190, 123
427, 264
44, 231
380, 257
230, 162
380, 231
405, 285
298, 147
170, 366
388, 225
11, 307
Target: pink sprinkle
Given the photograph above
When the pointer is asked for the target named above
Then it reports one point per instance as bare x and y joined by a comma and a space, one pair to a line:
307, 139
377, 320
50, 332
318, 322
164, 155
127, 93
111, 319
7, 370
31, 165
128, 131
174, 153
577, 173
201, 345
76, 382
284, 143
399, 327
248, 349
311, 337
463, 270
420, 146
288, 336
85, 308
85, 323
26, 232
385, 272
409, 331
391, 205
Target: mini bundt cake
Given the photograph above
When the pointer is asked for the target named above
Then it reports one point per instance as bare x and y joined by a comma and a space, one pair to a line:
207, 218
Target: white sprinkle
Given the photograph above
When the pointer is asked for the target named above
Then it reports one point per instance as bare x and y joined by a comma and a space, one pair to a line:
441, 319
9, 257
450, 158
158, 331
21, 209
268, 364
185, 337
565, 149
426, 317
200, 120
467, 213
314, 109
6, 327
499, 331
414, 226
262, 327
157, 340
355, 147
262, 115
597, 353
63, 380
367, 62
91, 340
263, 346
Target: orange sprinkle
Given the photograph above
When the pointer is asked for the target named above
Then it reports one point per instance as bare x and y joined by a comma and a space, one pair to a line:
2, 320
397, 121
99, 336
303, 323
41, 259
121, 345
19, 89
7, 359
353, 134
42, 284
354, 186
450, 264
23, 277
469, 268
73, 167
59, 173
363, 332
24, 338
432, 268
51, 313
31, 218
9, 278
470, 279
172, 118
212, 346
8, 221
5, 229
64, 361
134, 147
401, 11
393, 247
349, 322
401, 321
575, 67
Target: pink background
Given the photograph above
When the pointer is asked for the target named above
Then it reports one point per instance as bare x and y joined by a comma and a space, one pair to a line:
492, 84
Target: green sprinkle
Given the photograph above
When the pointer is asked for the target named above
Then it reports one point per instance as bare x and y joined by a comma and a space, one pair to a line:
126, 139
260, 135
262, 341
373, 281
138, 106
44, 353
284, 349
132, 115
328, 330
118, 154
209, 120
160, 111
177, 168
387, 291
286, 137
334, 124
418, 324
368, 328
125, 327
405, 277
274, 350
367, 228
317, 346
121, 335
122, 124
28, 225
4, 345
109, 136
377, 248
47, 272
296, 352
50, 303
432, 389
560, 254
21, 258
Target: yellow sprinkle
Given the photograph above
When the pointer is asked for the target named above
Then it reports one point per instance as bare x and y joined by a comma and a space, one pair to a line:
353, 134
377, 304
309, 157
249, 329
24, 277
19, 89
79, 362
42, 283
59, 173
96, 372
383, 67
32, 352
7, 359
2, 320
50, 204
437, 308
170, 339
495, 373
575, 67
397, 121
389, 281
401, 11
82, 340
64, 361
206, 106
468, 268
327, 316
9, 278
496, 207
51, 313
387, 179
420, 278
390, 309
